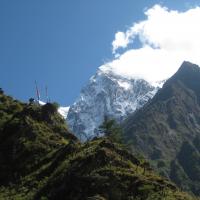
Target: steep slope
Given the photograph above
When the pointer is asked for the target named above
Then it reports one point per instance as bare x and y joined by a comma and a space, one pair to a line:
167, 129
96, 170
107, 94
101, 169
28, 132
40, 159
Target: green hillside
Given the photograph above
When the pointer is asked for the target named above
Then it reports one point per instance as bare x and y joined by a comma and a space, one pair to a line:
41, 159
167, 129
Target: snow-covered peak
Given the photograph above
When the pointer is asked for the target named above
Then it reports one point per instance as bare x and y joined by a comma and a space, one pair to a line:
124, 85
107, 94
63, 111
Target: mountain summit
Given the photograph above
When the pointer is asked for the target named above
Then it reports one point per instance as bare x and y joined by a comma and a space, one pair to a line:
167, 129
107, 94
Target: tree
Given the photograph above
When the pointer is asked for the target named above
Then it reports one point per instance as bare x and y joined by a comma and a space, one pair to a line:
31, 100
1, 91
111, 129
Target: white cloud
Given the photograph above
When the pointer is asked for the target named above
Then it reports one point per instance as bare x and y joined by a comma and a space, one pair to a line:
121, 40
168, 37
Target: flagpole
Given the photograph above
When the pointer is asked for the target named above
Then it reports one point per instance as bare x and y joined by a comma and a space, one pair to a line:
37, 92
46, 90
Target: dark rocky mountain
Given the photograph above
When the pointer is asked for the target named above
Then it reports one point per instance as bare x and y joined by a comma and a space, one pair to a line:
40, 159
167, 129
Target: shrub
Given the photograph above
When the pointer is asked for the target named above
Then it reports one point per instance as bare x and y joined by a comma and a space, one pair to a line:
50, 108
31, 100
1, 91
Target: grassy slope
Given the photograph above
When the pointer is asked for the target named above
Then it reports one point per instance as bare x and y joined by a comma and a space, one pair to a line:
40, 159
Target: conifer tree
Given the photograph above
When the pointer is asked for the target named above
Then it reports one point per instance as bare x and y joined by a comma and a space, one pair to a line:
111, 129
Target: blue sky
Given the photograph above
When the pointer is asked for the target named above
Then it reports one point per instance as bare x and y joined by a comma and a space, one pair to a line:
62, 43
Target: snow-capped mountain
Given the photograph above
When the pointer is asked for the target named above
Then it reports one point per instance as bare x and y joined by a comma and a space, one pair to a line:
63, 111
107, 94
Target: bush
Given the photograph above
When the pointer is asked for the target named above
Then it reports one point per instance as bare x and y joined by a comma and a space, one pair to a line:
31, 100
50, 108
15, 107
1, 91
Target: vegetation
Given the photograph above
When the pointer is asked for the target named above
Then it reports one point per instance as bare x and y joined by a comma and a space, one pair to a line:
40, 159
109, 128
166, 130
